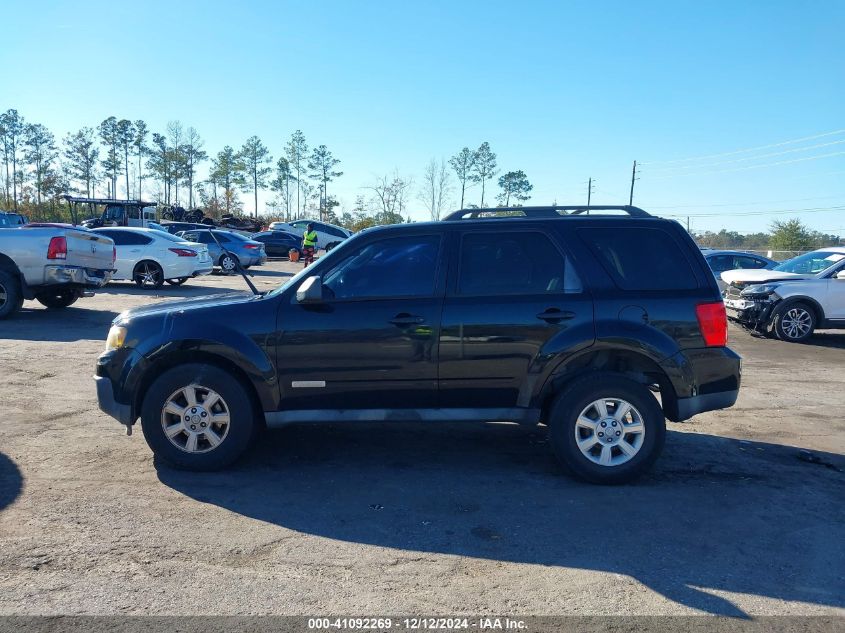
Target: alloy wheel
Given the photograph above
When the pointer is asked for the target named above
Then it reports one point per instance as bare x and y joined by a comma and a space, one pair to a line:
796, 323
148, 275
609, 431
3, 296
195, 419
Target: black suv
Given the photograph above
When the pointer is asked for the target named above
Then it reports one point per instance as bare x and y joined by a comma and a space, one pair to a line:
544, 315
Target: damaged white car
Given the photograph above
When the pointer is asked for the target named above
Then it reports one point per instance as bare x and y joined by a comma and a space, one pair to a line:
793, 299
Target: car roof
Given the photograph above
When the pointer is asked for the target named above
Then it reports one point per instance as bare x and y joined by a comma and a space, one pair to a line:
830, 249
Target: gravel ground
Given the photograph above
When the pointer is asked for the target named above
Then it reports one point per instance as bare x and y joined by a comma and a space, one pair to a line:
380, 519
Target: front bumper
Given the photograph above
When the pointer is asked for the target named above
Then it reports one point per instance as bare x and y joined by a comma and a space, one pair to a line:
75, 275
753, 313
108, 405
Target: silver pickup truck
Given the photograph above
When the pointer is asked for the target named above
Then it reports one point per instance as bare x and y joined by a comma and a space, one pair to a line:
55, 264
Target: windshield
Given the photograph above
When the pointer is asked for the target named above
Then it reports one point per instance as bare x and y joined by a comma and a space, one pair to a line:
810, 263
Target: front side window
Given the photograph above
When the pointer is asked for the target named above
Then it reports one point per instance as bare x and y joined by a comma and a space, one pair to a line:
513, 263
395, 267
721, 263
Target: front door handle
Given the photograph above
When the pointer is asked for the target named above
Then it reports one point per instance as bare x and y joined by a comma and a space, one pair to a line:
555, 315
404, 319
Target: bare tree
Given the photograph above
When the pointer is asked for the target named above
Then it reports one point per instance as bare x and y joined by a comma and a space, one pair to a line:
125, 136
139, 142
296, 152
13, 131
391, 195
175, 135
436, 188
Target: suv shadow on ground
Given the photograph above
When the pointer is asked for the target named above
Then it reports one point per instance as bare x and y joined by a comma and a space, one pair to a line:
715, 515
65, 326
11, 481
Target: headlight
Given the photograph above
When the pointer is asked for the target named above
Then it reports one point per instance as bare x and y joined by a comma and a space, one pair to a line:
116, 337
759, 290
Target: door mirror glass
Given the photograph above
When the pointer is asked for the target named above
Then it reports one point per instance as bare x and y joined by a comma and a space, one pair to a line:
311, 290
841, 274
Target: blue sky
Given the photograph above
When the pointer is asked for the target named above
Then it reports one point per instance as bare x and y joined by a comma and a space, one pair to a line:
562, 90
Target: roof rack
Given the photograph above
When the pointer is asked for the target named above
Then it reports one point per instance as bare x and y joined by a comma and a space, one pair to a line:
543, 212
78, 200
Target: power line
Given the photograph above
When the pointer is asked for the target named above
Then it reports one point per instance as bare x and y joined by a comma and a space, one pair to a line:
739, 204
747, 158
739, 214
726, 171
743, 151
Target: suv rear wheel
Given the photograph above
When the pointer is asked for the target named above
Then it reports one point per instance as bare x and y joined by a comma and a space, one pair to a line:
606, 429
794, 322
197, 417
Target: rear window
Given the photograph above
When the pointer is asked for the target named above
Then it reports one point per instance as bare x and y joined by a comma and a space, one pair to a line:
641, 258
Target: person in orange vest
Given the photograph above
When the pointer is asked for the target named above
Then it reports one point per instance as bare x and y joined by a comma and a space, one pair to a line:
309, 245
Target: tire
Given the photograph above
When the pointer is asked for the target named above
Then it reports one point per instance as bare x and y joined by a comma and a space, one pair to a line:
628, 454
216, 445
58, 299
177, 282
331, 245
794, 322
148, 274
228, 264
11, 298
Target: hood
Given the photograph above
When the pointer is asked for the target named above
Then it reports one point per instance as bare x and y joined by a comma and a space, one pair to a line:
758, 275
183, 305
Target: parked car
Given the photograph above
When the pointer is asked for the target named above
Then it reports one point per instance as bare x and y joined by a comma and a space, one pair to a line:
328, 235
248, 252
149, 257
156, 227
279, 243
794, 298
721, 261
52, 264
545, 317
10, 220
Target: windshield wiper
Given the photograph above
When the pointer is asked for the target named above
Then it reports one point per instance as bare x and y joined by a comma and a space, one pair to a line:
241, 269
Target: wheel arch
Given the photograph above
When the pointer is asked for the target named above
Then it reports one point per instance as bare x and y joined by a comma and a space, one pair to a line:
627, 363
175, 358
812, 303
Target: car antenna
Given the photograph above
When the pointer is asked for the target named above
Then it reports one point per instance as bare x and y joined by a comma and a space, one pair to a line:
241, 270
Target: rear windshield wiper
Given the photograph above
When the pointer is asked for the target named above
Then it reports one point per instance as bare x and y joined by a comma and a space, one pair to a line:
241, 269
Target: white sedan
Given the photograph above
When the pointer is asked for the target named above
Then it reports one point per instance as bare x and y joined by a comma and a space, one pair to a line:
149, 257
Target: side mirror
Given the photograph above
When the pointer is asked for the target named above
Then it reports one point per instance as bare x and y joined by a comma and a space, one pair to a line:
311, 290
840, 274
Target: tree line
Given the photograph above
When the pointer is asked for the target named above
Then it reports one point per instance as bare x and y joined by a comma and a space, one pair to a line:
784, 235
124, 159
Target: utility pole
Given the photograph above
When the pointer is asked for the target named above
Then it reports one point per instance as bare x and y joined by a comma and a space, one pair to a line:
633, 178
589, 190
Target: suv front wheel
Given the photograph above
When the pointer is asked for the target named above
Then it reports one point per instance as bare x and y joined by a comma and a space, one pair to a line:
606, 429
197, 417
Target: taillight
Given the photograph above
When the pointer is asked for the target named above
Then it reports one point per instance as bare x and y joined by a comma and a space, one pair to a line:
57, 248
713, 321
113, 254
183, 252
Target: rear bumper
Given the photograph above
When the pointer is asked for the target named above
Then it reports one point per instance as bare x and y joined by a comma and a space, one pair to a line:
108, 405
688, 407
709, 379
75, 275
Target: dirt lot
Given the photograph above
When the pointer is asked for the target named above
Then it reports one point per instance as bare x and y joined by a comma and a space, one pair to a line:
381, 519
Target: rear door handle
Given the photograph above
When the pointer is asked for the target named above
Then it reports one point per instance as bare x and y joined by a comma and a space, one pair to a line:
404, 319
555, 315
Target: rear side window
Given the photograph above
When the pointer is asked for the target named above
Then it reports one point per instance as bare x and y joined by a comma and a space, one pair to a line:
136, 239
641, 258
513, 263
